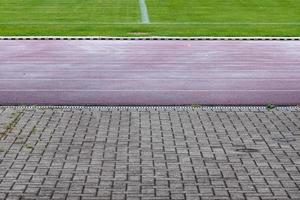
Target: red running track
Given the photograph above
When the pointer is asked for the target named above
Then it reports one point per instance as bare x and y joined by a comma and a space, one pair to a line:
82, 72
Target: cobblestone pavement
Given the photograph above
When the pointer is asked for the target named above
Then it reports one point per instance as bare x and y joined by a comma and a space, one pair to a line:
149, 153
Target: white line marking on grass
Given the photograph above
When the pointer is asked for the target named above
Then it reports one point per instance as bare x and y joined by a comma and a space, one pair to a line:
144, 12
227, 23
145, 19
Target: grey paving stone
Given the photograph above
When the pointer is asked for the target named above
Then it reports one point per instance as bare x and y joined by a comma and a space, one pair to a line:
149, 153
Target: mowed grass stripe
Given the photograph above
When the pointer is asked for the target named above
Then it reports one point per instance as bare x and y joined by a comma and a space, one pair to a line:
229, 11
168, 18
69, 11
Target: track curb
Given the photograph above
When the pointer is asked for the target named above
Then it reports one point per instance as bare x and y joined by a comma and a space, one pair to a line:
150, 38
165, 108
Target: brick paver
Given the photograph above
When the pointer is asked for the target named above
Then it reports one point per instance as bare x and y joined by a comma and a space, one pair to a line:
149, 153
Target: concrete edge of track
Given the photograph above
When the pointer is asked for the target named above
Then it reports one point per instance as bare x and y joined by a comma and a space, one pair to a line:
145, 38
180, 107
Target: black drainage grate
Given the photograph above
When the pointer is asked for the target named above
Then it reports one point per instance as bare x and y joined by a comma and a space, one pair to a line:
148, 38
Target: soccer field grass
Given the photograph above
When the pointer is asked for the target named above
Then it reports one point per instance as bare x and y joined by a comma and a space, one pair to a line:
166, 17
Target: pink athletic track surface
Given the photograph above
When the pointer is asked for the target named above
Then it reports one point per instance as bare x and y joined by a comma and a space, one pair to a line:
82, 72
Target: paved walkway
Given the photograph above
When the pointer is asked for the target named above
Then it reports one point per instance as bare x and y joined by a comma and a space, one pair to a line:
149, 153
100, 72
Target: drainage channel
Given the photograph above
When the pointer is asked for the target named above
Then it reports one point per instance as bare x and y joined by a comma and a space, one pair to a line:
147, 38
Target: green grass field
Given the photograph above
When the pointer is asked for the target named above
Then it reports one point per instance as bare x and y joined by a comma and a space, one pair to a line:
167, 18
